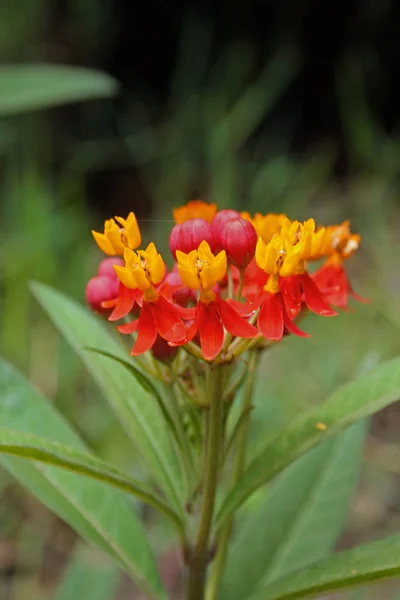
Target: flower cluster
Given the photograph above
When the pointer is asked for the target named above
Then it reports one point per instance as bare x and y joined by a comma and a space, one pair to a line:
237, 280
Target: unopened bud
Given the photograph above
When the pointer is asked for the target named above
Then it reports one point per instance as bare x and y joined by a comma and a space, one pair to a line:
106, 267
218, 222
189, 235
239, 239
100, 289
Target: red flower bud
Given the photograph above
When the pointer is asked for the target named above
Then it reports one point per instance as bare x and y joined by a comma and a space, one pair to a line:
239, 239
188, 236
106, 267
222, 217
100, 289
162, 351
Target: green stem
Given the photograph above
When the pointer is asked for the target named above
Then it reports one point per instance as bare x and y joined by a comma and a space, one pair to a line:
226, 531
199, 557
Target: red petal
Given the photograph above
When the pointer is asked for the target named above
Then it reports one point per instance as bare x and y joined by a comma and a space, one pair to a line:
245, 309
125, 303
291, 327
211, 331
147, 331
129, 327
234, 323
358, 297
291, 294
167, 321
193, 329
188, 314
109, 303
313, 297
270, 319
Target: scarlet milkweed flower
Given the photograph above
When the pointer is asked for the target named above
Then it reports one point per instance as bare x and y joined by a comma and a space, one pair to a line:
202, 270
195, 209
236, 269
119, 234
143, 271
332, 278
284, 257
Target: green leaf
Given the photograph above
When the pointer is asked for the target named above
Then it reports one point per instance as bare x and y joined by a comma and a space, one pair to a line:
88, 576
301, 517
48, 452
136, 408
31, 87
367, 563
101, 515
360, 398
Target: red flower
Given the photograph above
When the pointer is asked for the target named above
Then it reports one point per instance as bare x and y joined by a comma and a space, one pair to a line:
302, 288
273, 318
156, 317
334, 284
209, 322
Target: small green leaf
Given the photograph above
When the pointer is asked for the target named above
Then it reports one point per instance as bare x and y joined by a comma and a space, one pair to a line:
366, 395
48, 452
31, 87
367, 563
300, 519
101, 515
88, 576
136, 408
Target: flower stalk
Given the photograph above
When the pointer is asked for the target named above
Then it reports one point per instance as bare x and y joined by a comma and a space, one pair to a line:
240, 459
200, 552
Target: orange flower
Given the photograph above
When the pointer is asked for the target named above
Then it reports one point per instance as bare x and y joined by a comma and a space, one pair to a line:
332, 278
193, 210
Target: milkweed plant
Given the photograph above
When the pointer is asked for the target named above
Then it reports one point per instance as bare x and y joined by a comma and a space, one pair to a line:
183, 387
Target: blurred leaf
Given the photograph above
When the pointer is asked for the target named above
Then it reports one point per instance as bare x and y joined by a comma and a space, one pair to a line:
32, 87
359, 125
35, 448
364, 396
370, 562
99, 514
301, 517
88, 578
260, 97
138, 411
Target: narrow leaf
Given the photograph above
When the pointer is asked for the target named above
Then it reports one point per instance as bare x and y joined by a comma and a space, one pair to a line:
366, 395
370, 562
136, 408
48, 452
101, 515
301, 517
31, 87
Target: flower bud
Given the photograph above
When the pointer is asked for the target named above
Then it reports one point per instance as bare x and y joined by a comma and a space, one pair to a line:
188, 236
239, 239
222, 217
162, 351
106, 267
100, 289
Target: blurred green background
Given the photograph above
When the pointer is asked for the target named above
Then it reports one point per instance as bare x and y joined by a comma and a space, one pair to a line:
290, 108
